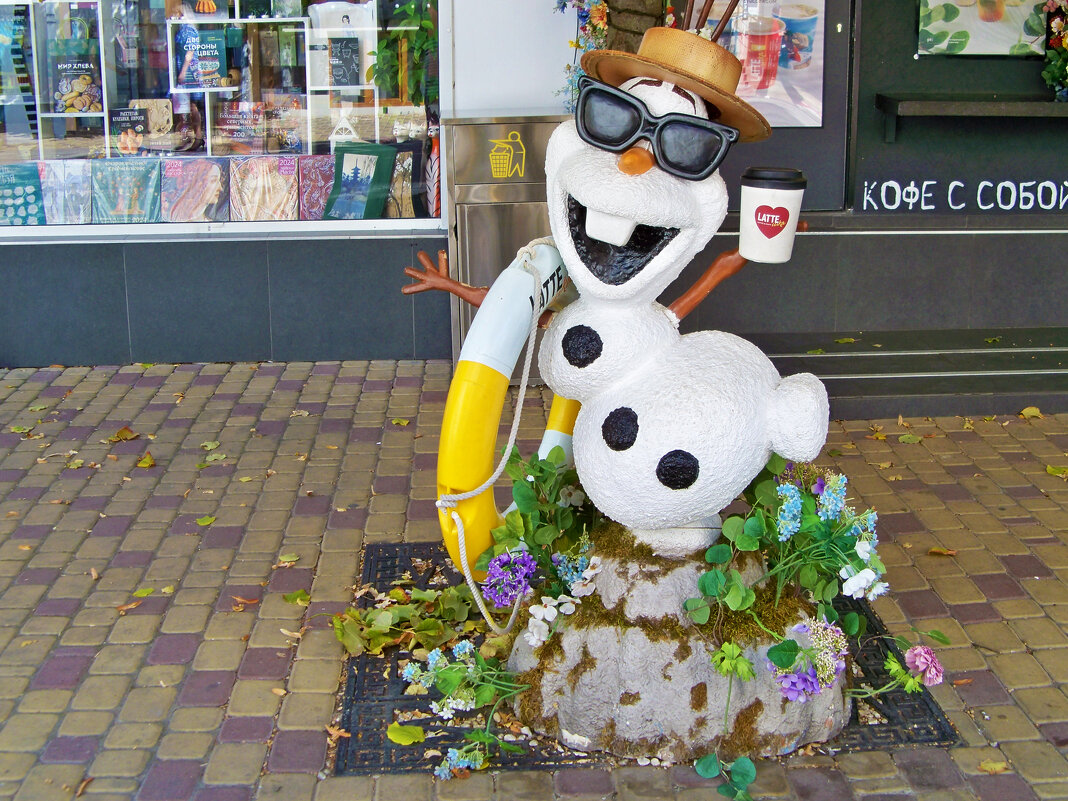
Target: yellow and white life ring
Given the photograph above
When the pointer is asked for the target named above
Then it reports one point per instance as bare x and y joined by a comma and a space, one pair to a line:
466, 452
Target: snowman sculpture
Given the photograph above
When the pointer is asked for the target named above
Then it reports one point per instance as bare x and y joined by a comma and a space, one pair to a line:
671, 428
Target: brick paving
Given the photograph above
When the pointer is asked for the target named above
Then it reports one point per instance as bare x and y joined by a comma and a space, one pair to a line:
200, 690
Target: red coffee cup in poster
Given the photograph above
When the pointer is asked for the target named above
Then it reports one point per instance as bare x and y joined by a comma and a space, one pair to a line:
759, 40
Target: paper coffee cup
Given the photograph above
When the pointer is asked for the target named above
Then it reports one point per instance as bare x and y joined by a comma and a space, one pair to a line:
771, 204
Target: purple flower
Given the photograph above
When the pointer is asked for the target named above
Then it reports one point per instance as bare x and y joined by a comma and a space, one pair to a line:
819, 486
800, 685
508, 577
923, 662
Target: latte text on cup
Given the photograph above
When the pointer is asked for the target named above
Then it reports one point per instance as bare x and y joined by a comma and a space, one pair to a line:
771, 204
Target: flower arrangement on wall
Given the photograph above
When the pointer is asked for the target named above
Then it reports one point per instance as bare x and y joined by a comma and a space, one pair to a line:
591, 34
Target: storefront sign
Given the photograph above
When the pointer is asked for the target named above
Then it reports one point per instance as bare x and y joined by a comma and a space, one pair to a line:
991, 195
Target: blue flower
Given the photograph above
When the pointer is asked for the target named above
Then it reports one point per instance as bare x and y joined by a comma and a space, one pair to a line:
435, 659
443, 771
411, 672
462, 649
789, 521
832, 499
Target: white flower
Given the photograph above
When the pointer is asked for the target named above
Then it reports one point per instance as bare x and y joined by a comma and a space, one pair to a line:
847, 572
593, 568
537, 633
571, 496
582, 588
877, 589
863, 550
545, 613
566, 605
856, 586
1056, 24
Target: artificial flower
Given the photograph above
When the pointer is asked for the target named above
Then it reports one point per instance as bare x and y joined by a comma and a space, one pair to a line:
923, 662
788, 522
508, 577
856, 585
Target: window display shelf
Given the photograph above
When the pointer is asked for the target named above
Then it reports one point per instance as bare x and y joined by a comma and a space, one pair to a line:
69, 114
963, 105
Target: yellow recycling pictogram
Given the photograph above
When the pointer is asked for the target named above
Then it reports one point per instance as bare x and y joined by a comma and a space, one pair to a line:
508, 157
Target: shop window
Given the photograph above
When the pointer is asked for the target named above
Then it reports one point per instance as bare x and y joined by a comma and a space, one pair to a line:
121, 111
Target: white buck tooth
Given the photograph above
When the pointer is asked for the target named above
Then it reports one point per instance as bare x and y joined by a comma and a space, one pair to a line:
608, 228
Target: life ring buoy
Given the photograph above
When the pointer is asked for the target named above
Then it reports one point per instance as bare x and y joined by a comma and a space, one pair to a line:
466, 452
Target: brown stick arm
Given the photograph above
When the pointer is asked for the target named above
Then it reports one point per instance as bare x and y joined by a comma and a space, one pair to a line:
725, 265
437, 277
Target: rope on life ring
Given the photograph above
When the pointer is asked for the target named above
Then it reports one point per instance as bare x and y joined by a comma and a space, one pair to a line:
506, 320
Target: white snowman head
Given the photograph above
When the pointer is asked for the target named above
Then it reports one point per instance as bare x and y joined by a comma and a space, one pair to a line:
633, 190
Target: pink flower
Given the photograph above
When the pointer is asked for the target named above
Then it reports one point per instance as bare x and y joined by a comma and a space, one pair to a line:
923, 662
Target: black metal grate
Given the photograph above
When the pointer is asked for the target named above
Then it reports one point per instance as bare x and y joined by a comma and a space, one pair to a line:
374, 691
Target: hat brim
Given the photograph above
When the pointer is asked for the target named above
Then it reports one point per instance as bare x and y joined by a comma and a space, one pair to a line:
614, 67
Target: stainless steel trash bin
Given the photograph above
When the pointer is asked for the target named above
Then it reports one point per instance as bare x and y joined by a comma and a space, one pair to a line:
495, 188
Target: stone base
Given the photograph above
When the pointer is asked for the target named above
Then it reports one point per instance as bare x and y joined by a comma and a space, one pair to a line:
681, 541
632, 676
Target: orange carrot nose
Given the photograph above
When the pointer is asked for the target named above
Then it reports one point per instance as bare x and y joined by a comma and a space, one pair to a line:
636, 161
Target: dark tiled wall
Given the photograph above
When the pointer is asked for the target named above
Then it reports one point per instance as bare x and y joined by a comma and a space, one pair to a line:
899, 282
217, 301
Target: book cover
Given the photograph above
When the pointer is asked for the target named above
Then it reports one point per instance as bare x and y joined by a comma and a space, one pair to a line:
21, 197
200, 56
263, 188
316, 181
128, 128
407, 186
239, 129
126, 191
284, 122
195, 190
344, 61
77, 79
66, 191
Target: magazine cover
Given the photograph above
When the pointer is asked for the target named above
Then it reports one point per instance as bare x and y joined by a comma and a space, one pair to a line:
195, 190
263, 188
362, 174
21, 198
67, 191
126, 190
316, 181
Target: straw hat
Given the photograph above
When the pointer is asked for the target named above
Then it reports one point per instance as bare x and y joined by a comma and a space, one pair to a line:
690, 61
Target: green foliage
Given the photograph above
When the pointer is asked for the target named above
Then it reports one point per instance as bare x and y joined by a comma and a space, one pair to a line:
729, 660
415, 28
551, 513
412, 618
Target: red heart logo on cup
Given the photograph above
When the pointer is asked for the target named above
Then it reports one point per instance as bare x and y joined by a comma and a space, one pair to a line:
771, 222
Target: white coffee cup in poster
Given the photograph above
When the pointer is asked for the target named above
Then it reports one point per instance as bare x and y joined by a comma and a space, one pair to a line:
771, 204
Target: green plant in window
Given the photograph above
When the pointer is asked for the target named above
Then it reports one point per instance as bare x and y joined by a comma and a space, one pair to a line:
413, 35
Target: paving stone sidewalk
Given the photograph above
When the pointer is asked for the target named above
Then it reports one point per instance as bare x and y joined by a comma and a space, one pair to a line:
212, 687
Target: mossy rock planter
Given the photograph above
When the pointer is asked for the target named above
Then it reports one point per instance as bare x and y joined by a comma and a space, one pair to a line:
631, 675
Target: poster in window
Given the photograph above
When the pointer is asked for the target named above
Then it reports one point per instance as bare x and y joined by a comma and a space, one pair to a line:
195, 190
362, 174
200, 57
21, 197
68, 191
981, 28
781, 49
345, 61
126, 191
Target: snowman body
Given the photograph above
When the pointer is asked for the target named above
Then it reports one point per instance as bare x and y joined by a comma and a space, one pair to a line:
672, 428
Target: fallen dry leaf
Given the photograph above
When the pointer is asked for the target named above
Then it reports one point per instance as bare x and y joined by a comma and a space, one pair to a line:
884, 465
246, 601
81, 787
942, 552
296, 635
333, 732
962, 682
1031, 412
113, 457
993, 767
94, 573
127, 607
278, 691
124, 434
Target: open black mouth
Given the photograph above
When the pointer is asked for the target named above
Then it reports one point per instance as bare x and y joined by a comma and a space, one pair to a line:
615, 264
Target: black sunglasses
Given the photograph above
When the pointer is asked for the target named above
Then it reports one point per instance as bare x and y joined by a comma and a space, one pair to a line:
685, 146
